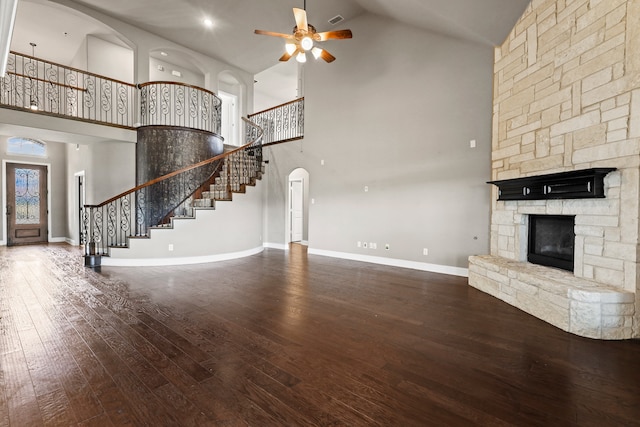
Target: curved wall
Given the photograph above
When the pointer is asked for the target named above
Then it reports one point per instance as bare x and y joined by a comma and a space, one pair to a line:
165, 149
232, 230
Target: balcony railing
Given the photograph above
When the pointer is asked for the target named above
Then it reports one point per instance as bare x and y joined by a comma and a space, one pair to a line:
54, 89
283, 123
177, 104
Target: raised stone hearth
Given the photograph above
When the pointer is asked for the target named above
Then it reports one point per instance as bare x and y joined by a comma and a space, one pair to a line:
567, 100
577, 305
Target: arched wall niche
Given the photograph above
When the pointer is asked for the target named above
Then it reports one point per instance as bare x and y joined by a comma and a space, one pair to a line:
167, 64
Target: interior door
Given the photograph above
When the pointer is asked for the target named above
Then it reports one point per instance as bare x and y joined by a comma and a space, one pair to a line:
229, 118
297, 210
26, 204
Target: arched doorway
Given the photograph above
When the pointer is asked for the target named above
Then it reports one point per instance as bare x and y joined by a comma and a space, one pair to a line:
298, 207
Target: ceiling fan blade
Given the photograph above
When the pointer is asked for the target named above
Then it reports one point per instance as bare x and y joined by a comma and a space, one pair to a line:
301, 18
285, 57
327, 56
329, 35
271, 33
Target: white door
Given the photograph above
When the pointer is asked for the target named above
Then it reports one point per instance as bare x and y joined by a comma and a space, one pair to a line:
229, 118
296, 196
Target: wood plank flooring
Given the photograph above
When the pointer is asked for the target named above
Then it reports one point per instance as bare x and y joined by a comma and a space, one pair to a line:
288, 339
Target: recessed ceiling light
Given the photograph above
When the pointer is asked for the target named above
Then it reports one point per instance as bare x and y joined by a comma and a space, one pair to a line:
207, 22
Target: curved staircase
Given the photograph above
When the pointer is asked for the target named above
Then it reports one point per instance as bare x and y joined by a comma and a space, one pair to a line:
116, 228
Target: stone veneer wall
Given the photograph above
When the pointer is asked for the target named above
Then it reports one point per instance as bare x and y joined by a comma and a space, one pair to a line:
566, 97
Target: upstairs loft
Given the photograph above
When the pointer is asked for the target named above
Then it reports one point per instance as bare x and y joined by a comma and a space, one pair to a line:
33, 85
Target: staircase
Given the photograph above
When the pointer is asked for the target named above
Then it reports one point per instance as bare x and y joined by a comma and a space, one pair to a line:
239, 170
121, 223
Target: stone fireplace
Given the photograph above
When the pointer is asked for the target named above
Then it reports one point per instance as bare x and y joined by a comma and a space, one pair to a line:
567, 99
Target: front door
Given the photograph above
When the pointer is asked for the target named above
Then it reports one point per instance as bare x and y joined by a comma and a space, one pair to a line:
26, 204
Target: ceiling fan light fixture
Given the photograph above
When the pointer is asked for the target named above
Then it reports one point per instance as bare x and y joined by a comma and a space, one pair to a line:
305, 39
306, 43
290, 48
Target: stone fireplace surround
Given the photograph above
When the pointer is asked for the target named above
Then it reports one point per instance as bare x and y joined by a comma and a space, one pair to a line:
587, 302
566, 97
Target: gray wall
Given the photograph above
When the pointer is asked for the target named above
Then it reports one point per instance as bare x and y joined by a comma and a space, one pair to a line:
395, 112
109, 169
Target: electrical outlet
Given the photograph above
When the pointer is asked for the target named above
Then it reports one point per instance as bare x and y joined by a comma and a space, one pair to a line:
364, 245
373, 245
387, 247
170, 247
425, 251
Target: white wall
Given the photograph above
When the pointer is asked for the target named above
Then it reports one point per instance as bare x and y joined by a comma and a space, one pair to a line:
276, 85
161, 71
109, 60
232, 228
395, 112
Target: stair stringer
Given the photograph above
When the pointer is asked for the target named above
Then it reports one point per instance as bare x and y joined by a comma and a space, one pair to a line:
232, 230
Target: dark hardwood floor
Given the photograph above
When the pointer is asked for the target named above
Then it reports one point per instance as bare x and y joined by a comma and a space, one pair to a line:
286, 339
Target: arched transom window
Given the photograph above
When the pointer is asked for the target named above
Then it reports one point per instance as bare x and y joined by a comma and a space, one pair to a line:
26, 147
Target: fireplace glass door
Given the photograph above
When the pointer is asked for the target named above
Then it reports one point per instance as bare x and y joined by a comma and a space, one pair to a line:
551, 240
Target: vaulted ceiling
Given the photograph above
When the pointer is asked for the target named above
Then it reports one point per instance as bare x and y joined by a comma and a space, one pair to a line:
231, 38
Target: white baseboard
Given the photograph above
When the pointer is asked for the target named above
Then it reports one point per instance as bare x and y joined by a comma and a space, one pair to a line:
414, 265
280, 246
51, 240
155, 262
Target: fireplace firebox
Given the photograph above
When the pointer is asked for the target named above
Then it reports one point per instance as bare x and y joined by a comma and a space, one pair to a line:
551, 240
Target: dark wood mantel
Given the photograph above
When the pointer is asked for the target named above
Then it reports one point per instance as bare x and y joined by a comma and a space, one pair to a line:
579, 184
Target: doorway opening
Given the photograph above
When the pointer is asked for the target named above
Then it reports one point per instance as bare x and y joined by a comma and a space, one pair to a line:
230, 115
298, 207
80, 202
231, 92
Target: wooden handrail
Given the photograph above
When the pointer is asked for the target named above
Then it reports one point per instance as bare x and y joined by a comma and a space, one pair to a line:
47, 81
179, 171
277, 106
73, 69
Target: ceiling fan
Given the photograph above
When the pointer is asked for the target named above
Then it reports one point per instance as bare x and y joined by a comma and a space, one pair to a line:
305, 37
